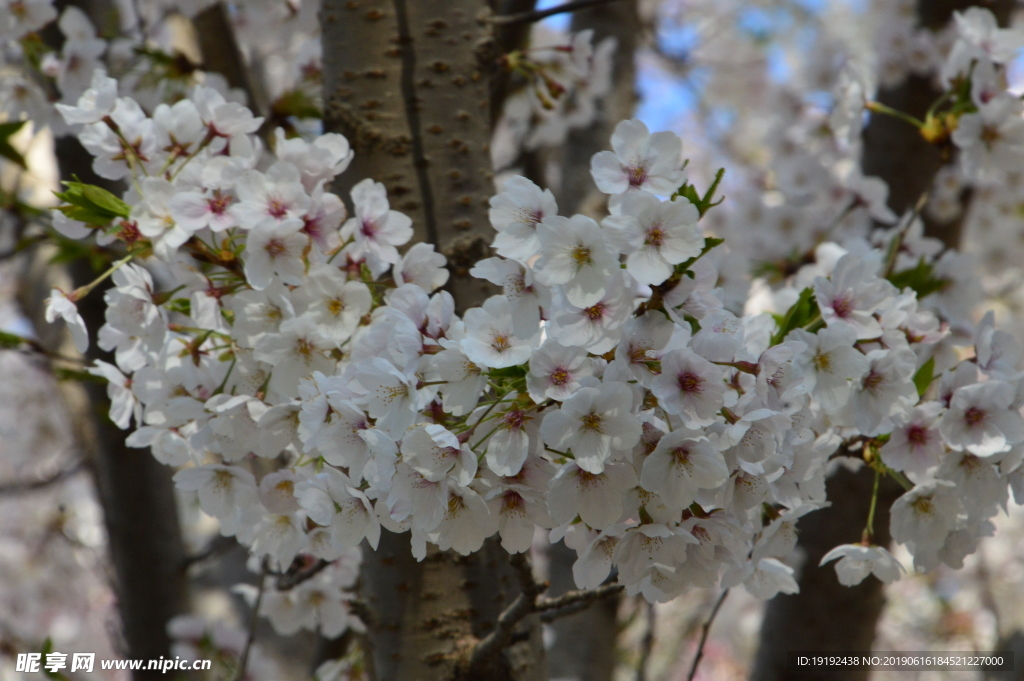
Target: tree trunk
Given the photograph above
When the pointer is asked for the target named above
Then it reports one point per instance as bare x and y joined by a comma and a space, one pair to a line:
827, 616
808, 621
408, 84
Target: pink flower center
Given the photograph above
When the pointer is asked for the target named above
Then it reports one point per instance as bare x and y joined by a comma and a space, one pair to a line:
843, 307
690, 382
637, 175
277, 208
917, 435
594, 312
560, 376
974, 416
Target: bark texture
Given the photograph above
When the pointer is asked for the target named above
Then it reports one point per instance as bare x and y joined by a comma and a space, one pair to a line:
364, 101
407, 82
826, 616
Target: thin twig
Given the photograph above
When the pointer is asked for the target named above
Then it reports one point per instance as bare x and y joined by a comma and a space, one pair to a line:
295, 576
541, 14
26, 486
646, 644
243, 661
583, 596
704, 635
215, 546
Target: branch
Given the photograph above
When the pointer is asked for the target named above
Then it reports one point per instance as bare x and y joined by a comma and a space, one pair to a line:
529, 602
524, 604
646, 644
704, 635
295, 576
582, 598
541, 14
243, 661
27, 486
215, 546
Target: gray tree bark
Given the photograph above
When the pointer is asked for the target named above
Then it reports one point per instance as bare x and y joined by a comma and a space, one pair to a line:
826, 616
408, 83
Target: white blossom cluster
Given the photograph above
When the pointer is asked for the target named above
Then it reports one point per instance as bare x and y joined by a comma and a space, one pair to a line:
316, 385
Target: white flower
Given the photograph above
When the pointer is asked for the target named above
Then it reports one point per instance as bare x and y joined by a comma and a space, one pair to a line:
596, 327
465, 381
509, 444
319, 161
277, 491
651, 543
574, 255
59, 304
330, 499
275, 247
96, 102
683, 462
467, 523
423, 267
123, 404
852, 295
594, 423
525, 296
885, 391
831, 363
980, 39
435, 453
997, 351
222, 489
991, 141
490, 338
596, 498
375, 229
656, 235
389, 395
980, 419
556, 370
276, 195
194, 210
335, 303
925, 515
689, 386
640, 161
915, 445
857, 562
295, 352
515, 214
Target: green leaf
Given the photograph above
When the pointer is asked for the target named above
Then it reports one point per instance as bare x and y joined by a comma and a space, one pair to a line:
296, 103
703, 203
6, 150
802, 313
10, 341
182, 305
924, 376
508, 372
921, 279
91, 204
